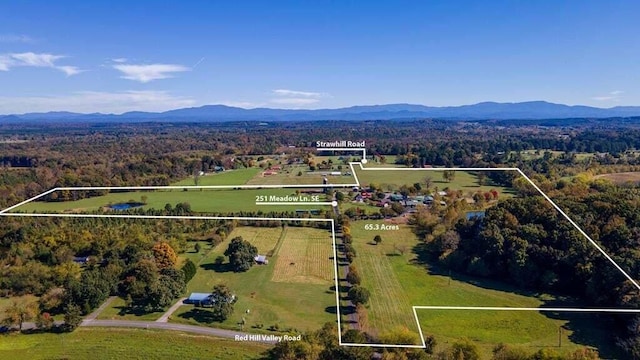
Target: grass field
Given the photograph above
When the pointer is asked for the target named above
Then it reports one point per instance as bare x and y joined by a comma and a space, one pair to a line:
200, 201
621, 178
397, 282
305, 257
264, 238
531, 154
98, 344
389, 306
289, 176
304, 306
464, 180
229, 177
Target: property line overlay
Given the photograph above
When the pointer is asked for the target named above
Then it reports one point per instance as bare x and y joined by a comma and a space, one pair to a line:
6, 212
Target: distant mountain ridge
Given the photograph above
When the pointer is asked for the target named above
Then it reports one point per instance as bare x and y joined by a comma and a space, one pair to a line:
533, 110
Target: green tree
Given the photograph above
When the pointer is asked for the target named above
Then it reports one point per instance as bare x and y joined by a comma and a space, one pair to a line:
462, 350
72, 317
449, 175
377, 239
197, 247
241, 254
222, 301
359, 295
189, 270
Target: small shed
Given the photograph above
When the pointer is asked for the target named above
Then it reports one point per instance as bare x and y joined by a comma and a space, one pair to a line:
261, 259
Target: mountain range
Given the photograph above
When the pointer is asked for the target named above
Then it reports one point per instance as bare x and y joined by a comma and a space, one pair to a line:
531, 110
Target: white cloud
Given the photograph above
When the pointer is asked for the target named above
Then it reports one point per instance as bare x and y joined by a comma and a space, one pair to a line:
294, 101
295, 93
13, 38
119, 60
297, 98
147, 73
96, 101
30, 59
69, 70
612, 96
33, 59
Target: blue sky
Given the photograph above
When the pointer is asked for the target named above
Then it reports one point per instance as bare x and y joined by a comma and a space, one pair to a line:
93, 56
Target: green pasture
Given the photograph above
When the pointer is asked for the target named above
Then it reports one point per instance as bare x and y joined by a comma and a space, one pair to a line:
397, 282
201, 200
115, 343
289, 305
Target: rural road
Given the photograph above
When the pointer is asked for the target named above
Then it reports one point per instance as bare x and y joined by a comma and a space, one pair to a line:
97, 311
162, 324
169, 326
165, 317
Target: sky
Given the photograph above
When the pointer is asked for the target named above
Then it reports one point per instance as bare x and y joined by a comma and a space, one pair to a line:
118, 56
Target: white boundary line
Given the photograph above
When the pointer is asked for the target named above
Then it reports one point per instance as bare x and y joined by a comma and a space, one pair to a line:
28, 200
364, 151
5, 213
319, 203
492, 308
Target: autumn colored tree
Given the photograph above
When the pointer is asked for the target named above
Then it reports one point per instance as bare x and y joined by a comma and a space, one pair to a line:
21, 310
164, 255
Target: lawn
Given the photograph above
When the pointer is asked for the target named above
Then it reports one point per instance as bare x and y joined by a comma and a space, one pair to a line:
289, 304
199, 199
98, 343
229, 177
118, 311
467, 181
397, 282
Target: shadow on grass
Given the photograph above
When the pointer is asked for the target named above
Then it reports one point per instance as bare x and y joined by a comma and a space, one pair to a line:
331, 309
136, 311
219, 268
200, 315
348, 310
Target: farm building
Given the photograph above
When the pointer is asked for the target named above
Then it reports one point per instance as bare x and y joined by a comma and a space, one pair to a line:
204, 299
198, 298
261, 259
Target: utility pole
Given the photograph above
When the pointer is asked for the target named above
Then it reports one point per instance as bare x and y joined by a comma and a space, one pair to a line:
560, 336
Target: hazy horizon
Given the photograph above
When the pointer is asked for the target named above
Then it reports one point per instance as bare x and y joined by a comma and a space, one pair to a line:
146, 56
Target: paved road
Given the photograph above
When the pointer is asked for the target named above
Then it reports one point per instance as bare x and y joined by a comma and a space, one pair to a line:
97, 311
165, 317
169, 326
